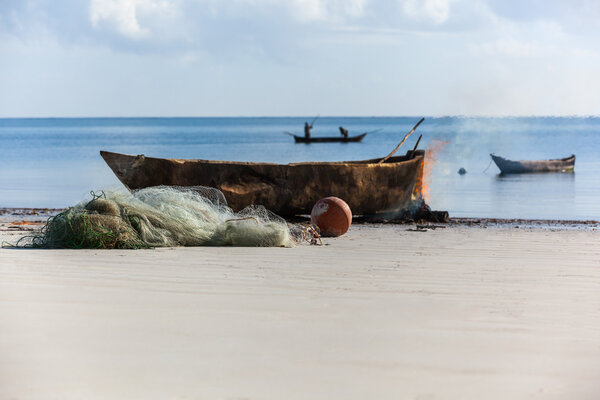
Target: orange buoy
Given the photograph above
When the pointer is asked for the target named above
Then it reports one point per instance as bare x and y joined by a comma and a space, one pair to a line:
332, 215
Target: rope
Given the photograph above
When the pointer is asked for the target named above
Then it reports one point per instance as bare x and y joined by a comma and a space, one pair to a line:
488, 166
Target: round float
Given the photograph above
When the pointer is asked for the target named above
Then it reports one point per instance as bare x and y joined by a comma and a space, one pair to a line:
332, 216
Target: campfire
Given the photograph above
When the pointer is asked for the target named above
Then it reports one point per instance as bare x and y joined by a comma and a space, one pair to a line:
419, 210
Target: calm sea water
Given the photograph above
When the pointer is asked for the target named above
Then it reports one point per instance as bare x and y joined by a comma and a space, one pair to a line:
55, 162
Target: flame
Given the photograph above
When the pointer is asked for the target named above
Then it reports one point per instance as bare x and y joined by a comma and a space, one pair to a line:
431, 159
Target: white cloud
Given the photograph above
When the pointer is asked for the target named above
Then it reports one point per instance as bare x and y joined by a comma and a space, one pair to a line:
123, 16
436, 11
309, 10
117, 14
321, 10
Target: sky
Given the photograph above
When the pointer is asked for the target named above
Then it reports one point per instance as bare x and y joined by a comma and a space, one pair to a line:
113, 58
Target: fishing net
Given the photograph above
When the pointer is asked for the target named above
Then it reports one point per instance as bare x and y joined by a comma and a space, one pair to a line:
165, 216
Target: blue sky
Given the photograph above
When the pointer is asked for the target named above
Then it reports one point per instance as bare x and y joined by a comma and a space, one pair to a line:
298, 57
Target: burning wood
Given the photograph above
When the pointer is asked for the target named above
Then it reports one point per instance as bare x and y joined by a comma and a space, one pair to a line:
420, 213
419, 210
425, 213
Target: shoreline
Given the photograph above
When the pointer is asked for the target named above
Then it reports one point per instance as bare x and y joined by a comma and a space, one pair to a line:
37, 216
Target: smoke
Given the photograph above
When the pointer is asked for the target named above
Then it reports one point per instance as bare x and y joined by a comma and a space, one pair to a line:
432, 154
472, 139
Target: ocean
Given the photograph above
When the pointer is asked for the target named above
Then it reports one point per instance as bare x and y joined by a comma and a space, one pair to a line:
55, 162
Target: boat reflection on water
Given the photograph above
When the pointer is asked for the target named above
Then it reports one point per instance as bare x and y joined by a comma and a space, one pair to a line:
518, 194
534, 177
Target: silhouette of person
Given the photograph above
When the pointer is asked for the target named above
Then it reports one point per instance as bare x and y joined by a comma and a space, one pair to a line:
344, 132
307, 129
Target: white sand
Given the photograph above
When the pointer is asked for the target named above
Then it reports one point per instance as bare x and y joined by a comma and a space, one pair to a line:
382, 313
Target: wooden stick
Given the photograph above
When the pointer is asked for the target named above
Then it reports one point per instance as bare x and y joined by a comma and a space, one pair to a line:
313, 121
417, 144
402, 142
289, 133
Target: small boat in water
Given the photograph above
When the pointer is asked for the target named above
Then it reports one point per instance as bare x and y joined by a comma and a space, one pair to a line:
566, 164
329, 139
370, 187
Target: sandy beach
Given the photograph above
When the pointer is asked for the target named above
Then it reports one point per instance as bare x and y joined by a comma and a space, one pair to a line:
383, 312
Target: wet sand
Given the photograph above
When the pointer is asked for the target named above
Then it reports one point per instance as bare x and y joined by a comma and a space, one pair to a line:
384, 312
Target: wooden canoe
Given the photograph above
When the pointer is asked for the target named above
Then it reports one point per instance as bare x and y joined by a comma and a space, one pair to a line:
286, 189
566, 164
329, 139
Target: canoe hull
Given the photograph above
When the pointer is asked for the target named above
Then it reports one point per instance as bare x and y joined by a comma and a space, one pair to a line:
331, 139
566, 164
286, 189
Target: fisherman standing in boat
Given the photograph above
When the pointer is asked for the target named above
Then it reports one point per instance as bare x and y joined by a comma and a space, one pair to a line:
307, 129
344, 132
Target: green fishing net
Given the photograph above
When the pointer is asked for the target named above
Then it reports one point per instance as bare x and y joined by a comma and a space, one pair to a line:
165, 216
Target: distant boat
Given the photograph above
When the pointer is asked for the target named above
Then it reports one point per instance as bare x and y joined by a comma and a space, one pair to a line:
329, 139
566, 164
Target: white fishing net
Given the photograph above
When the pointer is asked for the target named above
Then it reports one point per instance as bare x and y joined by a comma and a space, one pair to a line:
166, 216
